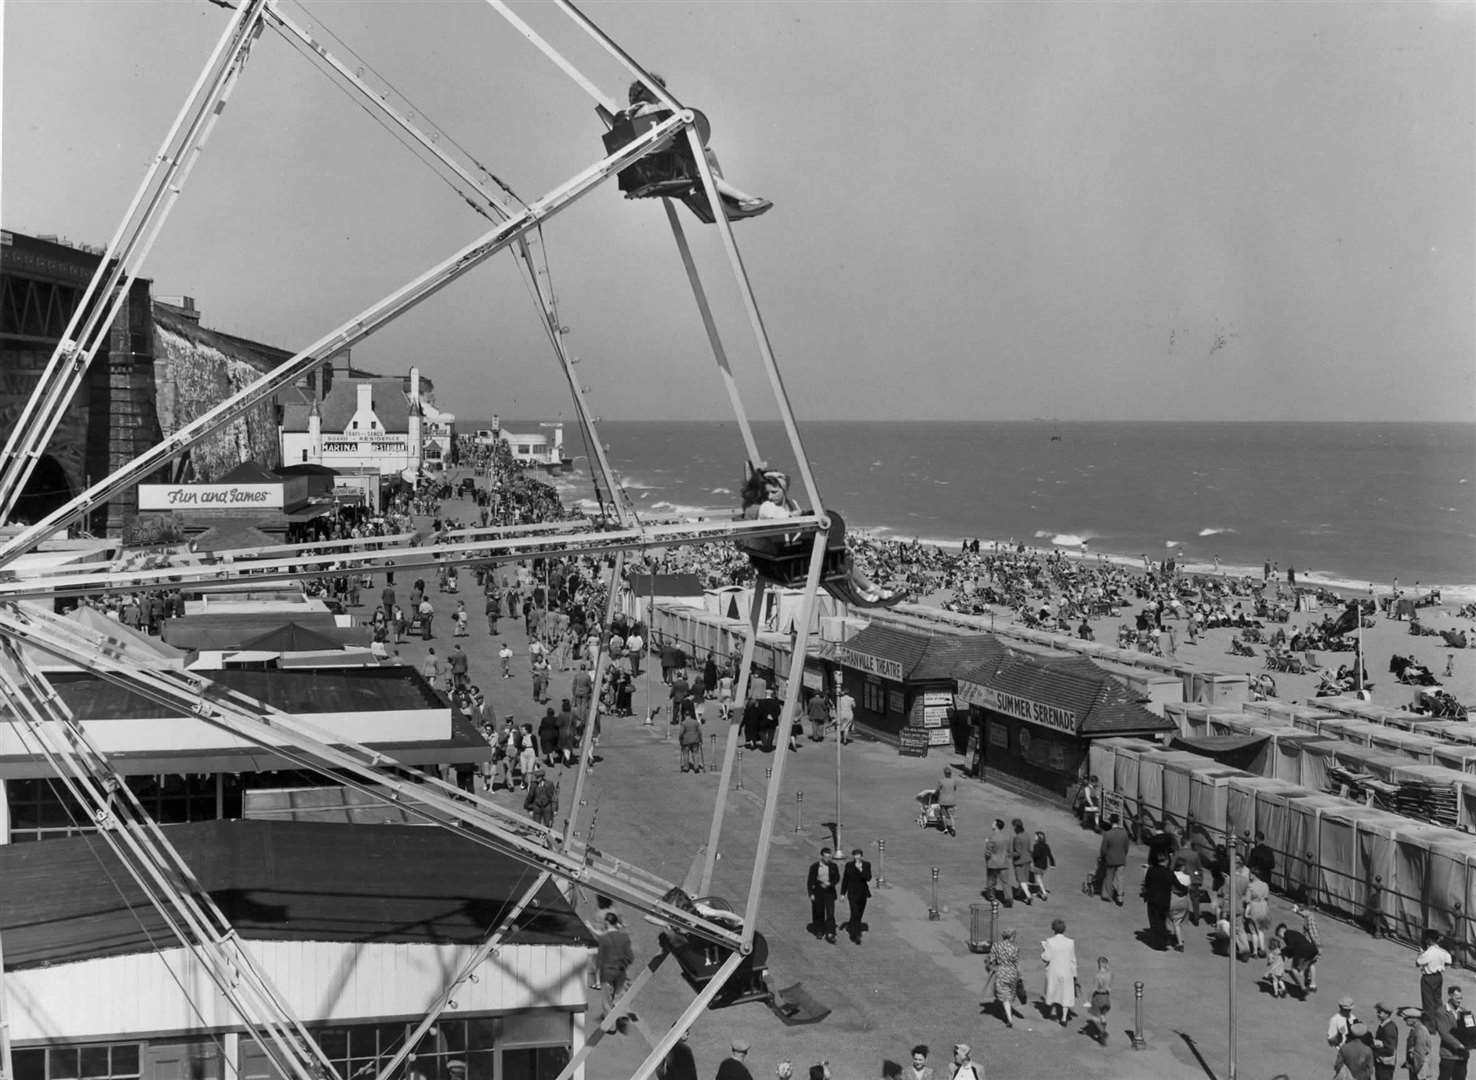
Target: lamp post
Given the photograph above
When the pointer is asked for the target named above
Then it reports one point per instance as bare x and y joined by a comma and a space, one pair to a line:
1232, 843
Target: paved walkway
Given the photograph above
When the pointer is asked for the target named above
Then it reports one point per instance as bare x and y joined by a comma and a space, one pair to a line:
913, 980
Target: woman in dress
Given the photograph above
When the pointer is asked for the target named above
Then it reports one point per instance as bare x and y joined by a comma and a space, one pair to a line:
1257, 913
1058, 954
1004, 958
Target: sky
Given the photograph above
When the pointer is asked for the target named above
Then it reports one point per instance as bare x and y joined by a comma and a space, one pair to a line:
1116, 211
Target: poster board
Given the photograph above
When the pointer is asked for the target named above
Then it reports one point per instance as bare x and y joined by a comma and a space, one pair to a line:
912, 742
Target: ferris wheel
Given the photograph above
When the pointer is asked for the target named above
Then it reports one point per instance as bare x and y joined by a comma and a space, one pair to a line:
654, 148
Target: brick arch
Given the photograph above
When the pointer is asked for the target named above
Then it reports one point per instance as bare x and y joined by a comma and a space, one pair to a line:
48, 488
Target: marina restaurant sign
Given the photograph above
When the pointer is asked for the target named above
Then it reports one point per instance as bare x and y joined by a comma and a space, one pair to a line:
209, 496
872, 665
1022, 708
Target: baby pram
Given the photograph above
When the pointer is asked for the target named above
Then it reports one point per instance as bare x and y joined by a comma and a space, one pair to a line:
929, 813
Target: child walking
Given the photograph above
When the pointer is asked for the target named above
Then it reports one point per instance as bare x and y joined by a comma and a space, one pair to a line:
1041, 860
1101, 1001
1276, 964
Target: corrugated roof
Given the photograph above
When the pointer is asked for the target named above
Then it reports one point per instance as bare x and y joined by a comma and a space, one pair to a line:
927, 656
70, 900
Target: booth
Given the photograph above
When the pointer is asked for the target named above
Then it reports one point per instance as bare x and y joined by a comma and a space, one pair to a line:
1240, 802
1035, 717
903, 681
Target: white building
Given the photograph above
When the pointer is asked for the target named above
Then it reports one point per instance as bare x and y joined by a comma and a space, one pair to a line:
438, 433
363, 422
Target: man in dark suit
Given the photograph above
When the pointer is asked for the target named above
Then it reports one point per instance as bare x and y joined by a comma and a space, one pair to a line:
1111, 858
856, 888
821, 884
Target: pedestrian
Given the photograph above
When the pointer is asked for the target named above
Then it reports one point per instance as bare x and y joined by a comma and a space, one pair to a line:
918, 1068
1299, 952
493, 609
427, 613
963, 1063
732, 1067
1178, 904
948, 800
542, 800
818, 713
1101, 1000
505, 654
581, 688
1158, 889
1041, 860
997, 864
678, 694
679, 1064
614, 957
1454, 1026
541, 674
689, 738
1112, 853
1419, 1059
460, 618
1431, 962
821, 884
1020, 860
1314, 937
1355, 1055
845, 716
1089, 803
1058, 954
856, 888
1257, 912
1385, 1042
1340, 1024
1276, 964
1004, 972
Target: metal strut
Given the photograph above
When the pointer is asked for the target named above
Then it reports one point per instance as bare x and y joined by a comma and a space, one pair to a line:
357, 767
158, 870
91, 323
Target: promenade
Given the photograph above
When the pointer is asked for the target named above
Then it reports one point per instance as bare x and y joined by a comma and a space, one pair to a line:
911, 980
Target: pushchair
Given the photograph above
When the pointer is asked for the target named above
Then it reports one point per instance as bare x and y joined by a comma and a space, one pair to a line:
929, 813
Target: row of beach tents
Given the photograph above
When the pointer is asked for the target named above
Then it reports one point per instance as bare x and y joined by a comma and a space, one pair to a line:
1382, 866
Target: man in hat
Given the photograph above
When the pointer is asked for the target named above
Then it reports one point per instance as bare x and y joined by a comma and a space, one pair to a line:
1355, 1055
1418, 1059
1341, 1021
732, 1067
1450, 1022
542, 800
1385, 1043
963, 1063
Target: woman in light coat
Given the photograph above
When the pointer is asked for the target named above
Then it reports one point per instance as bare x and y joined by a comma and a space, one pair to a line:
1058, 954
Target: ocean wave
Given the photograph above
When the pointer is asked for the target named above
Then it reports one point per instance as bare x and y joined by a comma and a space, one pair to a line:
1173, 543
721, 491
1059, 539
1214, 532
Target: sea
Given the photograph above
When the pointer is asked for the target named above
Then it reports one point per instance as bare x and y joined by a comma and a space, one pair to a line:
1345, 504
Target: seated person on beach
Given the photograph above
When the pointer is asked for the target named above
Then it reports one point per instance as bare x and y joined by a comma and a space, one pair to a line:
737, 204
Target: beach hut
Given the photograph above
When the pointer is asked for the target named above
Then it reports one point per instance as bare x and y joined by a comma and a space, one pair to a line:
1458, 756
1190, 718
1178, 780
1125, 777
1318, 755
1219, 688
1150, 789
1461, 731
1240, 800
1355, 858
1302, 835
1408, 903
1450, 891
1286, 752
1346, 705
1209, 795
1273, 820
1409, 743
1291, 711
1382, 765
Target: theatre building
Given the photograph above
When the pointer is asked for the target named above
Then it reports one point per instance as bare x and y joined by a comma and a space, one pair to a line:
903, 680
1032, 719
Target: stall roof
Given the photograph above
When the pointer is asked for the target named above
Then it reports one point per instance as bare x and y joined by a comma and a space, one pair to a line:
70, 900
231, 630
249, 472
292, 637
231, 534
1238, 751
927, 657
1103, 706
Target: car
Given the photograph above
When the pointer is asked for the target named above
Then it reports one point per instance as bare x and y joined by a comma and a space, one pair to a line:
468, 486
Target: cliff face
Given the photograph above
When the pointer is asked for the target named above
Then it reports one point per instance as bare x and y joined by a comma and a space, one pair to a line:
195, 370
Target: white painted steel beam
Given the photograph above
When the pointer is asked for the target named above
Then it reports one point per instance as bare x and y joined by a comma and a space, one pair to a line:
356, 329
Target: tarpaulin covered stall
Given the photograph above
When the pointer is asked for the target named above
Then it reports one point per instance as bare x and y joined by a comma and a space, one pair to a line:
1125, 766
1409, 743
1225, 722
1458, 756
1346, 705
1187, 717
1461, 731
1317, 757
1379, 764
1274, 819
1344, 874
1450, 890
1288, 748
1292, 711
1240, 801
1303, 835
1209, 795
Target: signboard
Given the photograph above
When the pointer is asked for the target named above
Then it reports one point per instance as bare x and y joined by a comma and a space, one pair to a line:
871, 665
933, 715
938, 697
813, 680
913, 742
940, 737
896, 703
1021, 708
209, 496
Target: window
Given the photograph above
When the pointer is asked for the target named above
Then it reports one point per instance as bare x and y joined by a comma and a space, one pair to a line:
304, 455
361, 1050
355, 425
104, 1061
873, 697
41, 810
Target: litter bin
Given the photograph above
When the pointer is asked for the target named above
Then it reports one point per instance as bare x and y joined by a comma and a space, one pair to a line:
981, 927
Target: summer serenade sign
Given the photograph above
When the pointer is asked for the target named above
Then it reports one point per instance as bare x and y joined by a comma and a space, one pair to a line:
1022, 708
209, 496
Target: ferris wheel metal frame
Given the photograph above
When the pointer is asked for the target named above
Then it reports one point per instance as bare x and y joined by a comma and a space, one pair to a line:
551, 852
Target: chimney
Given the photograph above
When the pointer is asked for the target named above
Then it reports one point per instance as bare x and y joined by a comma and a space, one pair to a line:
366, 397
415, 385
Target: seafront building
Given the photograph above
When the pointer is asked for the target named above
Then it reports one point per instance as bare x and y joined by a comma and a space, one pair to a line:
367, 422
